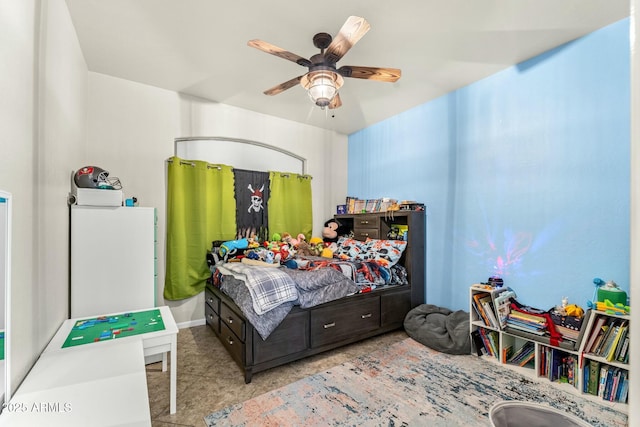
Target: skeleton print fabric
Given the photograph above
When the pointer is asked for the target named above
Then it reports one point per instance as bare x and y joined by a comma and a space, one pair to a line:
252, 194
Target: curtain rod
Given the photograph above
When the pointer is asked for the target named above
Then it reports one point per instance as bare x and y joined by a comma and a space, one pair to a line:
242, 141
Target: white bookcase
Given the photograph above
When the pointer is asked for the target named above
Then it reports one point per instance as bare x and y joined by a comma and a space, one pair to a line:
583, 359
113, 259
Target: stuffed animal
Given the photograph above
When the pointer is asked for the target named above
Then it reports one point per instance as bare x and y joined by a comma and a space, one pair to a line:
286, 237
231, 246
313, 248
332, 230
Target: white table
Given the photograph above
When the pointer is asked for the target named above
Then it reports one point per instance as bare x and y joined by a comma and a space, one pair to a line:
90, 386
158, 342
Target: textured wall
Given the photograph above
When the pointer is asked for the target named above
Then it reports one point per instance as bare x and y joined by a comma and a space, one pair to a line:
525, 174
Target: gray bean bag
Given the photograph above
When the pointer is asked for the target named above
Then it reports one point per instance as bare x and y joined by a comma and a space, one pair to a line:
439, 328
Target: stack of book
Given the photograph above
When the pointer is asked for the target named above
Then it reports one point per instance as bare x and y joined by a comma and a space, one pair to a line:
485, 342
557, 365
524, 355
607, 382
526, 322
609, 339
356, 205
483, 306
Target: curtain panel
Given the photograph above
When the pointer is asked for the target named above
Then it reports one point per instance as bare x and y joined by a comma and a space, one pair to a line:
200, 209
289, 204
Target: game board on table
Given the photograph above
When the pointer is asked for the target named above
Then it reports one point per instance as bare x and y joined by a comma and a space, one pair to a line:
105, 328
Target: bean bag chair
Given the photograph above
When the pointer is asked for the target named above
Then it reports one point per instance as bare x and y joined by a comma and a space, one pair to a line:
439, 328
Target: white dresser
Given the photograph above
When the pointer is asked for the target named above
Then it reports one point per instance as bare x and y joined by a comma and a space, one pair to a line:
113, 259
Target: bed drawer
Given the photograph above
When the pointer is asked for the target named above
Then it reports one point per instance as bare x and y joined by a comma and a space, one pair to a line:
233, 345
212, 300
341, 321
394, 306
291, 336
212, 318
234, 322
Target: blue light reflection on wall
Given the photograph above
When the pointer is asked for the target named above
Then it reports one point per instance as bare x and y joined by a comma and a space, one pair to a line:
525, 174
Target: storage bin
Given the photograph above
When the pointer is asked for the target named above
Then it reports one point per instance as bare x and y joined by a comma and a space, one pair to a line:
513, 413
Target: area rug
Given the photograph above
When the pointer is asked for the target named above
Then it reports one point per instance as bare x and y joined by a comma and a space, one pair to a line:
407, 384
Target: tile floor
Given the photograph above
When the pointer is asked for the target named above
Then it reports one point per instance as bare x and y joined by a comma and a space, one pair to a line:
209, 380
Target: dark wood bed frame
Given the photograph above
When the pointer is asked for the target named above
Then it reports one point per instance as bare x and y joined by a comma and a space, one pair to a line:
305, 332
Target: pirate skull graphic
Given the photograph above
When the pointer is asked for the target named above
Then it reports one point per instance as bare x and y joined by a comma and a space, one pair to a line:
256, 199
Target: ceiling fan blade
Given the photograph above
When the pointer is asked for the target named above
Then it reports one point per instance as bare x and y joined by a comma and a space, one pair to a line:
352, 31
336, 102
370, 73
275, 50
283, 86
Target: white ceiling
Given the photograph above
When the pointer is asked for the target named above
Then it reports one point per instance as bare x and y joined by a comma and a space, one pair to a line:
199, 47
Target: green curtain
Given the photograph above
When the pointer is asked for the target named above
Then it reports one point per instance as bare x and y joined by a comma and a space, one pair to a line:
289, 204
200, 209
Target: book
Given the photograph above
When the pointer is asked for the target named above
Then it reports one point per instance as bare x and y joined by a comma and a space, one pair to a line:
528, 358
597, 328
611, 351
608, 384
476, 300
613, 395
602, 379
523, 352
622, 357
503, 306
594, 377
624, 388
623, 336
494, 342
478, 343
486, 305
485, 340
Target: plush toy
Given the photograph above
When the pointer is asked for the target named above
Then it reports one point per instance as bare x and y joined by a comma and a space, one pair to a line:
328, 250
313, 248
286, 237
231, 246
330, 232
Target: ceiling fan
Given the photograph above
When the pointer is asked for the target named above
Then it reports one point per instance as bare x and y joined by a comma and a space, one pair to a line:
323, 80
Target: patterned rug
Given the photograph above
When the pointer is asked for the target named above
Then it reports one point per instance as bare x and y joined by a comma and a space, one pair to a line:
407, 384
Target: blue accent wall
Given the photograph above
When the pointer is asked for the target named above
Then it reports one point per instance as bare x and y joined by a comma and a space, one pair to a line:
525, 174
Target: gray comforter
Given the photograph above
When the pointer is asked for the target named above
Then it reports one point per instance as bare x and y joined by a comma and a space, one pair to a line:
314, 287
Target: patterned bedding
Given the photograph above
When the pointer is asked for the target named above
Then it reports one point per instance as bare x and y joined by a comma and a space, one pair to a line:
265, 295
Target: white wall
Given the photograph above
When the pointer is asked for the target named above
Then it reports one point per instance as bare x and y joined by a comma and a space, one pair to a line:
131, 129
42, 118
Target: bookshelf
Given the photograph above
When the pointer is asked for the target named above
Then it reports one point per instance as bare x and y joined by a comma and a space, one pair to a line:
592, 362
605, 353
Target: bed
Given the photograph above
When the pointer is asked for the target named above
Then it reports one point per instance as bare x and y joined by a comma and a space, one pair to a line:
266, 317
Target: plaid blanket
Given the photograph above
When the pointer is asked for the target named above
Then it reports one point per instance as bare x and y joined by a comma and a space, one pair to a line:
269, 287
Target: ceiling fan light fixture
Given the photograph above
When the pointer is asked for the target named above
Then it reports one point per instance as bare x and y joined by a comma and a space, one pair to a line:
322, 86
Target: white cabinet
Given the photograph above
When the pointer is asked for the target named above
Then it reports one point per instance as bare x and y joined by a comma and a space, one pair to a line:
112, 259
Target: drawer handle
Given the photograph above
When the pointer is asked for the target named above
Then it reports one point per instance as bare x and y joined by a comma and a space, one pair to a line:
366, 316
211, 316
364, 234
230, 320
364, 222
329, 325
230, 340
211, 300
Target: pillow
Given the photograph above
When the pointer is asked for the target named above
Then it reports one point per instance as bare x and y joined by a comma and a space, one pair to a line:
386, 252
348, 248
